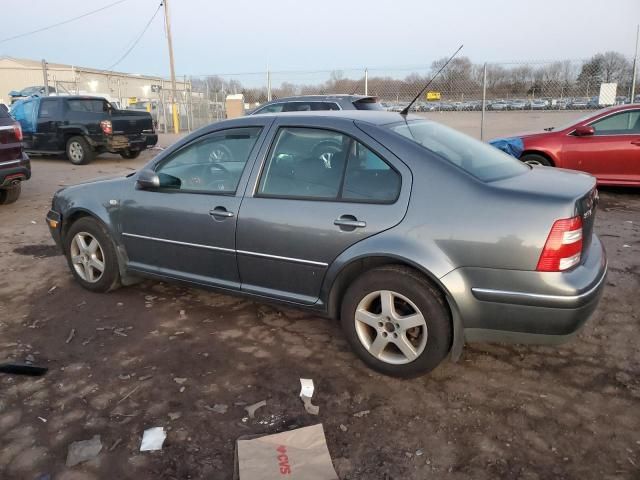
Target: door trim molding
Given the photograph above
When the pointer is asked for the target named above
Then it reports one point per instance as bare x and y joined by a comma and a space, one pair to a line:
228, 250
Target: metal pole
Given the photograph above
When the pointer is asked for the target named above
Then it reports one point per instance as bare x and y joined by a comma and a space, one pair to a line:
190, 105
174, 107
208, 104
366, 81
484, 100
164, 109
45, 76
268, 84
635, 67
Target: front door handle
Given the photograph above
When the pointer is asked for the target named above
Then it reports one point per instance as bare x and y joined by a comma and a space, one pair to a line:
220, 212
350, 222
636, 143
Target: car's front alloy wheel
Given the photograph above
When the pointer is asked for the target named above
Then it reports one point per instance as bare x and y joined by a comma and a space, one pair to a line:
87, 257
396, 321
91, 255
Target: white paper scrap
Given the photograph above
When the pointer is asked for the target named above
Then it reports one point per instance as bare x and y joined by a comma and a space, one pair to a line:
152, 439
306, 389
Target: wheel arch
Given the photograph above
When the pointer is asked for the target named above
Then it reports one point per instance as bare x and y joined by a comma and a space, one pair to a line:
544, 154
357, 267
78, 213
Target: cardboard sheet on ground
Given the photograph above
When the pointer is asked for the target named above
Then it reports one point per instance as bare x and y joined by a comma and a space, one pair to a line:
296, 454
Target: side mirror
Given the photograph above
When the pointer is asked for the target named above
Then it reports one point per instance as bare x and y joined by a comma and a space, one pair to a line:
147, 180
584, 131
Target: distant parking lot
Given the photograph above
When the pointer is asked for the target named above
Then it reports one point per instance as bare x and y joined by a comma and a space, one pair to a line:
164, 355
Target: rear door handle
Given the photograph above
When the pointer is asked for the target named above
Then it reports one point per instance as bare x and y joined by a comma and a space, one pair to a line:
220, 212
349, 221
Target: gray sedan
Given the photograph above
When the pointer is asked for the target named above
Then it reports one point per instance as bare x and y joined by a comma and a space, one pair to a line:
416, 237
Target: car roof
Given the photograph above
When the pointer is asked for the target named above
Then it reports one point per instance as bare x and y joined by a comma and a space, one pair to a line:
334, 96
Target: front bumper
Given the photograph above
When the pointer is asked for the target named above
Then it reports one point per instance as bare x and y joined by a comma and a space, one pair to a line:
54, 222
13, 171
528, 306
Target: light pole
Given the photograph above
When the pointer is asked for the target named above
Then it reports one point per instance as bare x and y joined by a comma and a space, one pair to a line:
174, 106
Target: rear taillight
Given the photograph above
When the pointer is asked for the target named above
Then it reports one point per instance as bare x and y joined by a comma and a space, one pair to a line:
106, 127
563, 247
17, 131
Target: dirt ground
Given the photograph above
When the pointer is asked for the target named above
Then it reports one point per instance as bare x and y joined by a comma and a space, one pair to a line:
162, 355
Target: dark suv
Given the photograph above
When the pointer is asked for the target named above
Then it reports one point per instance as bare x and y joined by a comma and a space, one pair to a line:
312, 103
14, 163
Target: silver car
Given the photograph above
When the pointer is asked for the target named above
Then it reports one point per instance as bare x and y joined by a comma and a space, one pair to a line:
416, 237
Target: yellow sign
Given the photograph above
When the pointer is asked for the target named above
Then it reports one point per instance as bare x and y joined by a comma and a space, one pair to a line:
433, 96
132, 100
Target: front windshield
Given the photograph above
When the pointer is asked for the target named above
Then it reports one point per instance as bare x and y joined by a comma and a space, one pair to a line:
479, 159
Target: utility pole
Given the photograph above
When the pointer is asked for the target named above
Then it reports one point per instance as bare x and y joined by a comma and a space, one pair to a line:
45, 75
366, 81
174, 106
635, 67
484, 99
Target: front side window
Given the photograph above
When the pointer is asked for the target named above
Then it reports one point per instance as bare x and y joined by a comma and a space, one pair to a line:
623, 123
479, 159
211, 164
326, 165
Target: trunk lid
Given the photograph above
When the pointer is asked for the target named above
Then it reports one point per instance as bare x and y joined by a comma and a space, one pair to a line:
576, 191
131, 122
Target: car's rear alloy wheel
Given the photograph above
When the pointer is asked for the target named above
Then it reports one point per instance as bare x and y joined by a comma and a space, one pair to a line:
79, 152
391, 327
91, 255
396, 321
87, 257
535, 159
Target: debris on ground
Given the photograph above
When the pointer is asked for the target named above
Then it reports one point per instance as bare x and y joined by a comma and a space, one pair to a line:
174, 415
272, 456
218, 408
152, 439
251, 409
83, 451
115, 444
306, 392
362, 413
19, 369
343, 427
72, 334
179, 380
52, 289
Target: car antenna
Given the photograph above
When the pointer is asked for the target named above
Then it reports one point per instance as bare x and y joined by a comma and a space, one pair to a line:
405, 110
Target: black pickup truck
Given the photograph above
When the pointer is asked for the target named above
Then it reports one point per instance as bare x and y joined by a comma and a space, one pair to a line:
82, 127
14, 163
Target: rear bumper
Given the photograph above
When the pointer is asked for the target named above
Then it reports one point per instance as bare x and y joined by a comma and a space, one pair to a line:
15, 171
525, 306
119, 143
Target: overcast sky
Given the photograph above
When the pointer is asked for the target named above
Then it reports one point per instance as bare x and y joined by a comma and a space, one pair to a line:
244, 36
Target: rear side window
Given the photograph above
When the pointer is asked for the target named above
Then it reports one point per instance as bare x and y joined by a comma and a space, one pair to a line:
87, 105
4, 111
309, 106
479, 159
48, 108
311, 163
274, 108
368, 104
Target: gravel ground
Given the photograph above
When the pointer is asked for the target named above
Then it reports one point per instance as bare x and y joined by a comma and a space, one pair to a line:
162, 355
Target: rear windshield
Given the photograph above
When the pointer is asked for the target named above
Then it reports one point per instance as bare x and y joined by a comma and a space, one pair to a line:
481, 160
368, 104
4, 111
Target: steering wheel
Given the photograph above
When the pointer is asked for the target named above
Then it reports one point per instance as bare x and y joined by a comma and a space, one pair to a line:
325, 151
199, 172
220, 153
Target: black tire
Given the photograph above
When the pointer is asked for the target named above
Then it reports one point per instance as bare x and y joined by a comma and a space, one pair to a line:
110, 278
10, 194
536, 159
130, 154
423, 295
79, 144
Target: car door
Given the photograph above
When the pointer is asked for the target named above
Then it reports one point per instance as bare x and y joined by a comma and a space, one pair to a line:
49, 115
186, 228
612, 153
319, 190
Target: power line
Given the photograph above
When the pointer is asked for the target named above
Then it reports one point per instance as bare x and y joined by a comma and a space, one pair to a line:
138, 38
49, 27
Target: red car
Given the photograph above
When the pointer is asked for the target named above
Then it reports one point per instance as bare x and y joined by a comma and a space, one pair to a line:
605, 144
